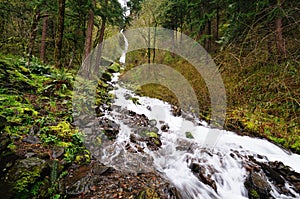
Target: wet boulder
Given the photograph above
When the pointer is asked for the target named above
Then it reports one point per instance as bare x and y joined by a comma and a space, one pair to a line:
257, 186
109, 128
200, 172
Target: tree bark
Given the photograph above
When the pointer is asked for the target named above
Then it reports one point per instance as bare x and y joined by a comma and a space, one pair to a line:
217, 25
43, 42
280, 44
89, 33
208, 33
59, 33
33, 33
100, 45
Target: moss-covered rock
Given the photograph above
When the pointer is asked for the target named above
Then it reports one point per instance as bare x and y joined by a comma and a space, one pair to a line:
22, 176
114, 68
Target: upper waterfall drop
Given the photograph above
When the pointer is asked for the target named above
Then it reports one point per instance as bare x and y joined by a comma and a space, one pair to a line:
123, 56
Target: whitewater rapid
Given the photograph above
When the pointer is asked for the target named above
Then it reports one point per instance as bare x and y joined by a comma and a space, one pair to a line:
224, 163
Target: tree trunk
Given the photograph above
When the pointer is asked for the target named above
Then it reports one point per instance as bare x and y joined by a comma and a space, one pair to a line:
43, 42
217, 25
89, 33
33, 33
59, 32
208, 33
102, 30
278, 33
95, 69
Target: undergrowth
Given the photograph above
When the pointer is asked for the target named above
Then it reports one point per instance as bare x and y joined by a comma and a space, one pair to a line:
36, 116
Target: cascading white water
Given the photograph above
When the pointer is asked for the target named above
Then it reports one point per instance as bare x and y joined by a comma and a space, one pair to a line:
123, 56
225, 164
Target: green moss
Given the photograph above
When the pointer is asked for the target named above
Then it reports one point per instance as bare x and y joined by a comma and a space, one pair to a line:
152, 135
115, 67
26, 172
254, 193
189, 135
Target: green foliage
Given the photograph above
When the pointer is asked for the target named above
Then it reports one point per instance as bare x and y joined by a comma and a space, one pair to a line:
35, 67
60, 83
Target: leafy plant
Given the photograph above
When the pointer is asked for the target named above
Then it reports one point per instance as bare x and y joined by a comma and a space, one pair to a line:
35, 67
61, 82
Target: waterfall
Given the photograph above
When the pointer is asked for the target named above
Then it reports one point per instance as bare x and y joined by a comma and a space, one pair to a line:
196, 171
123, 56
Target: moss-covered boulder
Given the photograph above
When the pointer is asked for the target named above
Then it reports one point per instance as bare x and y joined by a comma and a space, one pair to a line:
22, 176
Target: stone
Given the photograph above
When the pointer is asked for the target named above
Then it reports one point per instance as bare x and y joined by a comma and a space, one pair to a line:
22, 175
257, 185
152, 122
164, 127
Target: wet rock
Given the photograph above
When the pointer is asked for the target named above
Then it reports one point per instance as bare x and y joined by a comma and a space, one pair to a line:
153, 143
149, 108
200, 172
154, 129
152, 123
127, 96
164, 127
176, 111
257, 186
282, 174
284, 179
109, 128
32, 139
173, 193
184, 145
100, 169
152, 139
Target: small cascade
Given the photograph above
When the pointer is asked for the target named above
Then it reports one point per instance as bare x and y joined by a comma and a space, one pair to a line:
181, 156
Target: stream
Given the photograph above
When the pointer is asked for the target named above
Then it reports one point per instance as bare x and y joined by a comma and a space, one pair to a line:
151, 138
